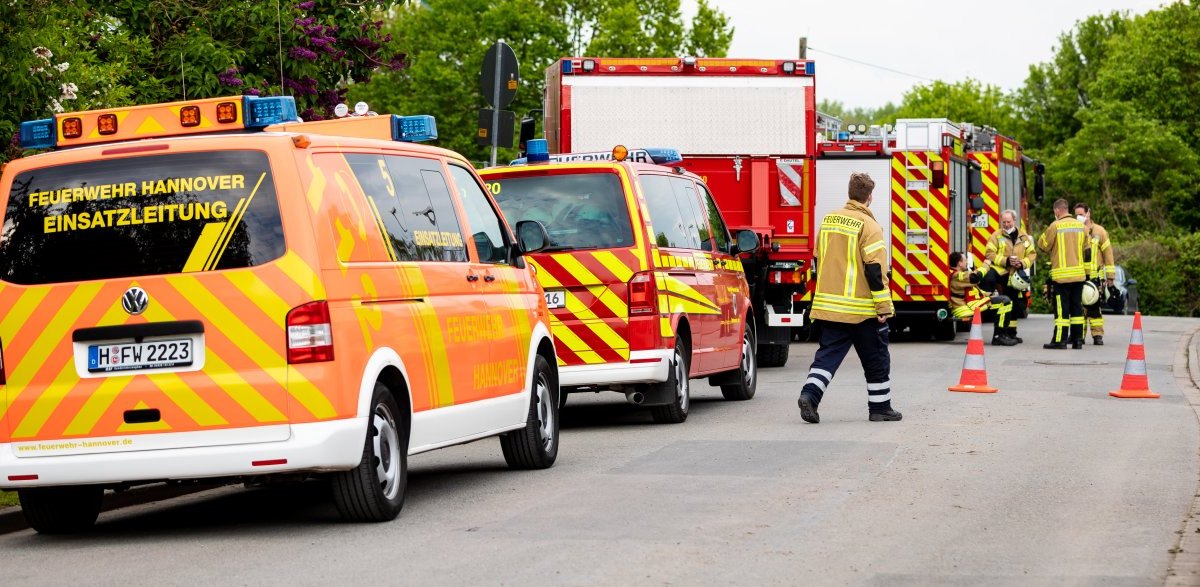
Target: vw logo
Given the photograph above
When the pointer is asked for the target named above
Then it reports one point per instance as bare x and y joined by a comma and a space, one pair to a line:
135, 300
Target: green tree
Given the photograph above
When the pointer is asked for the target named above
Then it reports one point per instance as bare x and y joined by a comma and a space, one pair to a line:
710, 34
885, 114
965, 101
620, 33
1158, 71
1056, 90
447, 40
311, 50
1137, 174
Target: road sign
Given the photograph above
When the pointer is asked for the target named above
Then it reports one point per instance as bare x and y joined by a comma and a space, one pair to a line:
499, 78
503, 131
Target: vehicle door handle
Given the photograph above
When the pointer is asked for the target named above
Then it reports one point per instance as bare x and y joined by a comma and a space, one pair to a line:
489, 278
472, 278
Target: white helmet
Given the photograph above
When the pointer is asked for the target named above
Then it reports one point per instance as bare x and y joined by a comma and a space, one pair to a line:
1019, 280
1091, 294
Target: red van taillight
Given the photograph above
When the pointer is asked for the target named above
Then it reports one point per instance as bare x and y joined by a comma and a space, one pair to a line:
643, 294
3, 379
309, 333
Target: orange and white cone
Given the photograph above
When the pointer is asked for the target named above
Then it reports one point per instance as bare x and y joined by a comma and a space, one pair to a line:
1134, 383
974, 372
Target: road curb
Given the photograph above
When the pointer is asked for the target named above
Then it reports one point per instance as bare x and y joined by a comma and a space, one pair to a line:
13, 520
1184, 568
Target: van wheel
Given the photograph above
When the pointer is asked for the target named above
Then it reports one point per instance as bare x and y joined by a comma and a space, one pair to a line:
747, 381
536, 445
374, 490
773, 355
677, 411
61, 510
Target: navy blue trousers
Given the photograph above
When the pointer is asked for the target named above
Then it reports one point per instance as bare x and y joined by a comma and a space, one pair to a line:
870, 340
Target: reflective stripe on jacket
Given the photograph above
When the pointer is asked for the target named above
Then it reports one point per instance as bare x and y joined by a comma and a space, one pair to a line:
1063, 242
1000, 248
848, 241
1100, 260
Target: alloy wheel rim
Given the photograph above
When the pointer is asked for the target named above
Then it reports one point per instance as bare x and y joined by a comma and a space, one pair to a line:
545, 413
681, 383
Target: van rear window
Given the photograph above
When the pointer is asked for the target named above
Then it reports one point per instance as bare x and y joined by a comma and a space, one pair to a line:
579, 210
151, 215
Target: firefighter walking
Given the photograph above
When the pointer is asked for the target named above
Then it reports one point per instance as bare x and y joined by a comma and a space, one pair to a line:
1063, 243
1101, 270
853, 302
1010, 254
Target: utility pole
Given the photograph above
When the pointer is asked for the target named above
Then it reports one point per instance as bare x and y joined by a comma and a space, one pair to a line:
804, 47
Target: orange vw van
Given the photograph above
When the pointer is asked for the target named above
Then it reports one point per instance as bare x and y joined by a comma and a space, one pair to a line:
213, 289
642, 278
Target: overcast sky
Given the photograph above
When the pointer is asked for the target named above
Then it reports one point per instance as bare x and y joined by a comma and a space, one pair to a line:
994, 42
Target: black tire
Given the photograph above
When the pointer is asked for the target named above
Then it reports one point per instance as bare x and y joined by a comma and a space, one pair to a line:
374, 490
676, 412
536, 445
747, 371
773, 355
61, 510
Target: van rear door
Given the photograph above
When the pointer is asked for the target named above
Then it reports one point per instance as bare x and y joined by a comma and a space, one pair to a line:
147, 299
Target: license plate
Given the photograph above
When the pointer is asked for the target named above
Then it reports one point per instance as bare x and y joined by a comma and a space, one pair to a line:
133, 356
556, 299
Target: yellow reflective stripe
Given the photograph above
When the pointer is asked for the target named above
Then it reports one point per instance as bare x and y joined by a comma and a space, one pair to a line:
842, 301
64, 320
613, 264
204, 247
881, 296
234, 221
96, 405
843, 309
188, 400
878, 246
63, 383
851, 265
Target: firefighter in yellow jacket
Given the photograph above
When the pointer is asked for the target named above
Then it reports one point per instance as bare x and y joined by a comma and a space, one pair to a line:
852, 301
1101, 269
963, 281
1009, 250
1063, 244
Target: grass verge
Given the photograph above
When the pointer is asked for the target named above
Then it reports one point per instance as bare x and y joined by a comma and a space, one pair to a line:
8, 498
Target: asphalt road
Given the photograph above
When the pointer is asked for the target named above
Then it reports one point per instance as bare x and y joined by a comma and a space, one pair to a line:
1048, 482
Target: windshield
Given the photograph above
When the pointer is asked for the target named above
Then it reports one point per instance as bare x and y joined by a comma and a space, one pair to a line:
579, 210
153, 215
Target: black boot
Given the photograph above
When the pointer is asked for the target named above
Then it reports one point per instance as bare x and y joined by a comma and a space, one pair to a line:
1012, 333
888, 416
1055, 345
1077, 344
1098, 340
808, 409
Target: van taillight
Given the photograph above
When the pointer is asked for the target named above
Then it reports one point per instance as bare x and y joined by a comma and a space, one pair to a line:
309, 334
643, 294
3, 379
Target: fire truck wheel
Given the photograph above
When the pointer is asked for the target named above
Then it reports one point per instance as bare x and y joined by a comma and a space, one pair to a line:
772, 355
374, 490
61, 510
677, 411
536, 445
747, 371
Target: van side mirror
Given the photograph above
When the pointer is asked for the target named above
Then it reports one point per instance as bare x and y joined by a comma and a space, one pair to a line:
532, 236
1039, 182
746, 241
528, 130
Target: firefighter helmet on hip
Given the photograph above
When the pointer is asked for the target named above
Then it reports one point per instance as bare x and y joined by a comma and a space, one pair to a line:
1019, 280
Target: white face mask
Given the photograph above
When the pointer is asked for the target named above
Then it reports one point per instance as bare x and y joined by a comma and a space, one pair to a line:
1012, 230
1081, 218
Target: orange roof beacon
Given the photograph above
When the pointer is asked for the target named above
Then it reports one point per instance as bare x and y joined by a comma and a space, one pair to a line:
642, 278
262, 296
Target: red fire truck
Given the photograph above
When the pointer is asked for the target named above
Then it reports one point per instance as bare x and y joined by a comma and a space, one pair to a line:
747, 127
940, 187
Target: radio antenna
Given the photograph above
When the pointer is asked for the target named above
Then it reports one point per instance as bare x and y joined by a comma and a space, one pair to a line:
182, 77
279, 37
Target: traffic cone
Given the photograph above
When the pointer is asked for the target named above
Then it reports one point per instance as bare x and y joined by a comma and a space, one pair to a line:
1134, 383
974, 372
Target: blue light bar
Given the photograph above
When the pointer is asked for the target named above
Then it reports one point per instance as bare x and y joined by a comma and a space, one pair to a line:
566, 66
810, 68
414, 129
663, 156
263, 111
537, 150
39, 134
